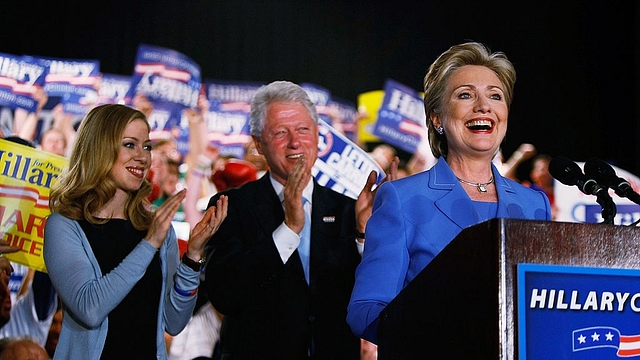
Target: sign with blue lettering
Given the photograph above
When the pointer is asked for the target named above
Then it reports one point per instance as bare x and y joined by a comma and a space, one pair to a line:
572, 312
342, 165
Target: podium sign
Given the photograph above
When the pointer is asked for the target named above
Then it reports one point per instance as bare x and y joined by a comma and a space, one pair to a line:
576, 312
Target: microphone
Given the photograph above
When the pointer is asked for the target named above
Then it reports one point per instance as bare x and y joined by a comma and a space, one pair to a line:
606, 175
569, 173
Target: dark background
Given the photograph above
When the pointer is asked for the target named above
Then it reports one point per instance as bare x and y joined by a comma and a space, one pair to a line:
577, 61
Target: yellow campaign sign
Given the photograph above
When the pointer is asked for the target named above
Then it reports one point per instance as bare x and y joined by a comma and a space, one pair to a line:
369, 103
26, 175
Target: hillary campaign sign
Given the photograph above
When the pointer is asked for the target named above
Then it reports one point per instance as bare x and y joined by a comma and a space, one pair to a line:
26, 175
74, 81
228, 116
165, 75
20, 77
573, 312
401, 120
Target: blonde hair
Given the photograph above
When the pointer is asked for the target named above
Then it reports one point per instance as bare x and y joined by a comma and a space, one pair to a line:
84, 186
437, 78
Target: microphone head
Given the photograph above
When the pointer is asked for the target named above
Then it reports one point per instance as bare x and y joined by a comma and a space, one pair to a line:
601, 171
606, 175
566, 171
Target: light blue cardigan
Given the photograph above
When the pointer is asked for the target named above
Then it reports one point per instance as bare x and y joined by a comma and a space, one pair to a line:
88, 297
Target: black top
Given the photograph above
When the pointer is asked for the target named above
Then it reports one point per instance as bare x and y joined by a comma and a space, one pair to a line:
133, 323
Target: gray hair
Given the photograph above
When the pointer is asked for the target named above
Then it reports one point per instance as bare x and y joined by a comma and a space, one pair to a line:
277, 92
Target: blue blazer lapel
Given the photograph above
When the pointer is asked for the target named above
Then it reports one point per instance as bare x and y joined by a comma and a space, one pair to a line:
455, 204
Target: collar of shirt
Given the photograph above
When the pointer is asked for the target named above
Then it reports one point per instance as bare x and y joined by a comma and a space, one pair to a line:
279, 188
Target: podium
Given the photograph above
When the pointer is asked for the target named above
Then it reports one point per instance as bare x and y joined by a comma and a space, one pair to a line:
463, 304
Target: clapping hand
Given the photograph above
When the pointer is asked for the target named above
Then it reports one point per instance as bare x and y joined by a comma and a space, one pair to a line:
162, 219
364, 203
205, 228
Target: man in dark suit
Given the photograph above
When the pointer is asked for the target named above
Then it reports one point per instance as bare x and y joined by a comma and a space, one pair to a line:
281, 297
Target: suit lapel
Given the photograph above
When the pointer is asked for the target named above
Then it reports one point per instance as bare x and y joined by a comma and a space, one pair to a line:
455, 204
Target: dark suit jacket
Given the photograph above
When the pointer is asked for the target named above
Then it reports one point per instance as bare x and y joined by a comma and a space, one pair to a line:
269, 310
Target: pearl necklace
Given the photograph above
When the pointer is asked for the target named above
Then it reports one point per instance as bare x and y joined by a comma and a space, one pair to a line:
481, 187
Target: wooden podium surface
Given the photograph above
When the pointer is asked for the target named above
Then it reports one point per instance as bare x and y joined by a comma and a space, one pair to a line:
462, 305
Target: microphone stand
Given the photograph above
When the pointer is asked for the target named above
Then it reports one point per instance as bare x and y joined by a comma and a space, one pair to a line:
608, 206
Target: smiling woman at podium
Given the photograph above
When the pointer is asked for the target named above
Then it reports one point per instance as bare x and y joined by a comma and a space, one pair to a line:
468, 93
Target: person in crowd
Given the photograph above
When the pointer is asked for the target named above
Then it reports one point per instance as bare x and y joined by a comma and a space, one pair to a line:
5, 293
54, 332
112, 289
59, 137
22, 348
54, 141
252, 155
283, 291
169, 185
33, 311
25, 122
383, 154
541, 179
199, 337
468, 92
509, 168
422, 159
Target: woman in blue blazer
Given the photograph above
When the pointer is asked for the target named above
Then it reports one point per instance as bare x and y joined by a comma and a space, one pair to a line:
468, 92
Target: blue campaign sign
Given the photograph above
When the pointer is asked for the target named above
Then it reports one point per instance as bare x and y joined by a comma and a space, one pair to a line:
20, 77
574, 312
401, 120
165, 75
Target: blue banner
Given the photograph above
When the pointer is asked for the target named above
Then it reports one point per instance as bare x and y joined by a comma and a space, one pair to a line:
20, 77
165, 75
401, 120
572, 312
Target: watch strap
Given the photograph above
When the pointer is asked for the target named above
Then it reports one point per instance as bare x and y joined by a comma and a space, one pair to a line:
193, 264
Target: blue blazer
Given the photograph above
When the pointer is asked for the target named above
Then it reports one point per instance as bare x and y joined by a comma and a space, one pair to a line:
413, 219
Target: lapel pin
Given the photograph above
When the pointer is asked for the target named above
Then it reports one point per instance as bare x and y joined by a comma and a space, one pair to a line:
328, 219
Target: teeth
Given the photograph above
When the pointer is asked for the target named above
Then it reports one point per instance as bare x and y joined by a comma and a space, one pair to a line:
479, 124
294, 156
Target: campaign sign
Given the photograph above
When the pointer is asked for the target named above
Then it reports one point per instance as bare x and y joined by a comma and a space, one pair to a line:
113, 89
165, 75
228, 130
20, 77
401, 119
320, 98
75, 81
26, 176
346, 114
342, 165
573, 312
231, 95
